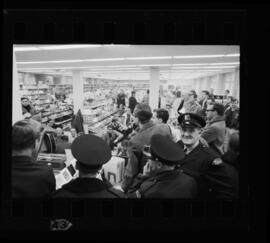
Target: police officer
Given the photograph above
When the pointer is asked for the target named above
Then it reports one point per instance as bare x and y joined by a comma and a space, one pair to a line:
91, 152
214, 178
163, 180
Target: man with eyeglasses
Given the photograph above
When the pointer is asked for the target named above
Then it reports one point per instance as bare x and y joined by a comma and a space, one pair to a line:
215, 179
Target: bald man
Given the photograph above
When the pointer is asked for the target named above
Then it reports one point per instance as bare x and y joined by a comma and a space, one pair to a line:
29, 178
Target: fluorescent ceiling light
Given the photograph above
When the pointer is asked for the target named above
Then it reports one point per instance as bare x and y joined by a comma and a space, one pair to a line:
78, 60
205, 64
199, 56
148, 58
26, 49
154, 65
233, 55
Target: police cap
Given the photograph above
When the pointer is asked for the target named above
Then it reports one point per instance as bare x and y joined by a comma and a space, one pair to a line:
165, 149
90, 150
191, 120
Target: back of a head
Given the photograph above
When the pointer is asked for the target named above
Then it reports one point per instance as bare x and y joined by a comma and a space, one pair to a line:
178, 94
206, 92
163, 115
143, 112
24, 134
219, 108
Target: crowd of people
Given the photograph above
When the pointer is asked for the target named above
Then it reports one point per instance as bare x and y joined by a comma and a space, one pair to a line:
188, 151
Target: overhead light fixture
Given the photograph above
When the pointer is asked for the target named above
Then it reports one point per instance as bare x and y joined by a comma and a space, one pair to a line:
199, 56
233, 55
17, 49
148, 58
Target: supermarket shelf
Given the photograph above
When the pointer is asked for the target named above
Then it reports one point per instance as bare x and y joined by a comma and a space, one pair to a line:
104, 118
62, 122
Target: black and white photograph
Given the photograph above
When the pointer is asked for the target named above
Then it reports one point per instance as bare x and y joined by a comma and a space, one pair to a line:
125, 121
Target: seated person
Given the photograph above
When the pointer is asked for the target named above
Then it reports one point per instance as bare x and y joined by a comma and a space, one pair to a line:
30, 179
91, 152
164, 181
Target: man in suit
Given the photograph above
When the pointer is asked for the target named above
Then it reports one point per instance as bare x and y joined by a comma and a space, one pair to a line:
91, 152
29, 178
132, 102
215, 130
147, 128
163, 180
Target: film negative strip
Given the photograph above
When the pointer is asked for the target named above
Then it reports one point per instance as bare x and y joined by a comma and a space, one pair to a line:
125, 26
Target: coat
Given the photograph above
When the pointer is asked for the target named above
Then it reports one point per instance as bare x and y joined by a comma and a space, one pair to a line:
135, 147
30, 109
87, 188
214, 181
214, 134
31, 179
168, 184
197, 164
132, 103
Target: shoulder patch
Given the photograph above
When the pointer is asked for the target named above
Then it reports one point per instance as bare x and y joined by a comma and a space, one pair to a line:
217, 161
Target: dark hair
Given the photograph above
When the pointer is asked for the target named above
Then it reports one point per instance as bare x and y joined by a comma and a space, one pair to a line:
163, 115
147, 91
234, 142
194, 95
24, 98
133, 92
228, 91
143, 112
219, 108
178, 94
87, 168
206, 92
23, 135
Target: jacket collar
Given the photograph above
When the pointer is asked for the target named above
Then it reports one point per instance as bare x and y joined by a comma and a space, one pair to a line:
166, 175
147, 125
216, 119
22, 159
85, 185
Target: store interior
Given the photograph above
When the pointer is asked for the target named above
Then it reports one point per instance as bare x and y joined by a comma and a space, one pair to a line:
60, 80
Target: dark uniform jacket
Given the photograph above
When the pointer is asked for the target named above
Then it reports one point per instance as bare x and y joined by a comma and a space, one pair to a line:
168, 184
31, 179
87, 188
214, 181
135, 147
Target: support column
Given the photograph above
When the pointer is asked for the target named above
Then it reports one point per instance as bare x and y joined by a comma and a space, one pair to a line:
16, 96
78, 95
236, 84
154, 87
220, 84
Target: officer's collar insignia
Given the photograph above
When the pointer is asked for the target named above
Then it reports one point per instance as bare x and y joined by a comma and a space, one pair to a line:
187, 117
217, 161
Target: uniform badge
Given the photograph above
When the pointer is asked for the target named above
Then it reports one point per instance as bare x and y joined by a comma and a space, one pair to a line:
217, 161
138, 194
60, 225
187, 117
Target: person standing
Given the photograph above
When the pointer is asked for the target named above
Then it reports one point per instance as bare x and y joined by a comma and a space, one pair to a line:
121, 99
91, 152
215, 179
132, 102
147, 128
215, 130
145, 99
177, 105
163, 180
30, 179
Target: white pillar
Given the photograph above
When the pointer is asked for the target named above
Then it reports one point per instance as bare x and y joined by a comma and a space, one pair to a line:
235, 85
220, 84
154, 87
78, 95
16, 96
